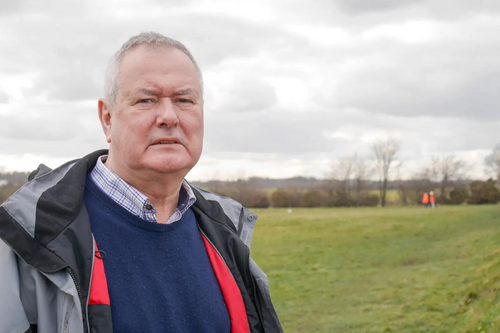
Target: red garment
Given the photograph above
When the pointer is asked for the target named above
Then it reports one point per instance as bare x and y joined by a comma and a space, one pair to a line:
433, 199
425, 199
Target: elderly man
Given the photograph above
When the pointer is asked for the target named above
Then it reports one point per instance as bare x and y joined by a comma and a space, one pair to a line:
119, 241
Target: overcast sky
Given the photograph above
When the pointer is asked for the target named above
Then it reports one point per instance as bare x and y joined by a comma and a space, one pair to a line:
290, 85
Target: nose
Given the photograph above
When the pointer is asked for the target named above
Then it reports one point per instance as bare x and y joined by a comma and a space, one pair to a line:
167, 114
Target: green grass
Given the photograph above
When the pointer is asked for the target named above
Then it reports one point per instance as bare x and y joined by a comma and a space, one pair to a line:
392, 196
390, 269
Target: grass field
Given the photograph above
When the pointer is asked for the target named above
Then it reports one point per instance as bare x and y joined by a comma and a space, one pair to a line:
390, 269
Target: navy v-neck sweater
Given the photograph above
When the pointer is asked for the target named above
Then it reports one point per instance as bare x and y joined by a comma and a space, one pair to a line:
159, 275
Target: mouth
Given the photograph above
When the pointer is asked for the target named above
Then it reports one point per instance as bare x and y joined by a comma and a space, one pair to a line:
165, 142
169, 141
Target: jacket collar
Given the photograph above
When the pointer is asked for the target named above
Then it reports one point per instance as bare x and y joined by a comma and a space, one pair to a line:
52, 200
43, 209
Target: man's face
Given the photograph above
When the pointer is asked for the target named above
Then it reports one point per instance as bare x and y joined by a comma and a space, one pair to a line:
157, 121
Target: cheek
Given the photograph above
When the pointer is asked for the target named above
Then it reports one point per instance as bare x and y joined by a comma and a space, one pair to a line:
199, 140
136, 129
193, 127
131, 135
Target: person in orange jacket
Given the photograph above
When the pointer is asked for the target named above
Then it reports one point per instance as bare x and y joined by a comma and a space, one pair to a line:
425, 199
432, 199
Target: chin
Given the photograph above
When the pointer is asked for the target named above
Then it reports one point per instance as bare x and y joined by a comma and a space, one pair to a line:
170, 166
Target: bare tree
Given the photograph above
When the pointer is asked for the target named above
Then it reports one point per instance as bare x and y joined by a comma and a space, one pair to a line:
445, 170
349, 173
385, 152
342, 171
362, 170
492, 162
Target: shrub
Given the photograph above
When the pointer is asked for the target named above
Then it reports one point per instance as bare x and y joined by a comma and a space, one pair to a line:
255, 199
247, 195
314, 198
484, 192
404, 194
344, 200
6, 191
286, 197
367, 199
458, 196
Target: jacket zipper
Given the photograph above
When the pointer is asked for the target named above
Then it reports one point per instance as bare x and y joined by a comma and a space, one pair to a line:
78, 290
90, 286
251, 277
76, 284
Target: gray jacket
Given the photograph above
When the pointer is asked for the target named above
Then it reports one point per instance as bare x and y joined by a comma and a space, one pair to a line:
47, 255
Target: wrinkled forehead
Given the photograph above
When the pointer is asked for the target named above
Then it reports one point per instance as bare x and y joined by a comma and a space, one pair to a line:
148, 58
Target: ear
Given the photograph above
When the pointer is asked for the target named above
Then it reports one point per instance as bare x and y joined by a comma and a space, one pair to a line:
105, 118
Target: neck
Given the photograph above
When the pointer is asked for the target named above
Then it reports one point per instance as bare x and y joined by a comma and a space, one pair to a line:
161, 189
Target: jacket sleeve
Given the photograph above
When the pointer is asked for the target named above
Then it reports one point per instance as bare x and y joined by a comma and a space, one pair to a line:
247, 220
271, 320
12, 314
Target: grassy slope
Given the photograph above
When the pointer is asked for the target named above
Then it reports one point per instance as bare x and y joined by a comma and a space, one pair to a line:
383, 270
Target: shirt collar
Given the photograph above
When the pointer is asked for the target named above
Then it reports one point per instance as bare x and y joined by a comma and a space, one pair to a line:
131, 199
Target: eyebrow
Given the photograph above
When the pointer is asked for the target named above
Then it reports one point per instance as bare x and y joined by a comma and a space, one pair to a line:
148, 92
181, 92
186, 91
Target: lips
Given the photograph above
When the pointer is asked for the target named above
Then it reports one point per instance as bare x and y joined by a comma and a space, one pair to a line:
166, 141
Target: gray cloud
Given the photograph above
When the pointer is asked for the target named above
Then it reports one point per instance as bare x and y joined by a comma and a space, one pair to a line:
339, 132
55, 8
359, 14
438, 94
69, 68
73, 84
457, 76
58, 130
56, 122
457, 9
361, 6
388, 92
441, 9
216, 38
8, 7
4, 97
276, 131
247, 93
66, 150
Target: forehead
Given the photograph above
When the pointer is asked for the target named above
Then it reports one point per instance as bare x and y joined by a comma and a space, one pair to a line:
159, 65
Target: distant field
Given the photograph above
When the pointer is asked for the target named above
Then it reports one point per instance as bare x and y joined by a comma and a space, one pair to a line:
392, 195
390, 269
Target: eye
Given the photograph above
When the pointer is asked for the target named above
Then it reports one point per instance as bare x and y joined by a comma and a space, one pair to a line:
184, 100
145, 101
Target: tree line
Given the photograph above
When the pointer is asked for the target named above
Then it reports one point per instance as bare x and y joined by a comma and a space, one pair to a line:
333, 194
350, 183
11, 182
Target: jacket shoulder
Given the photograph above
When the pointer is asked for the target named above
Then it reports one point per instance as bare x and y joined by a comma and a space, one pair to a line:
242, 219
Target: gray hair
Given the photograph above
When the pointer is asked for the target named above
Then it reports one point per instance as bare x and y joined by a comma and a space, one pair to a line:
112, 79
